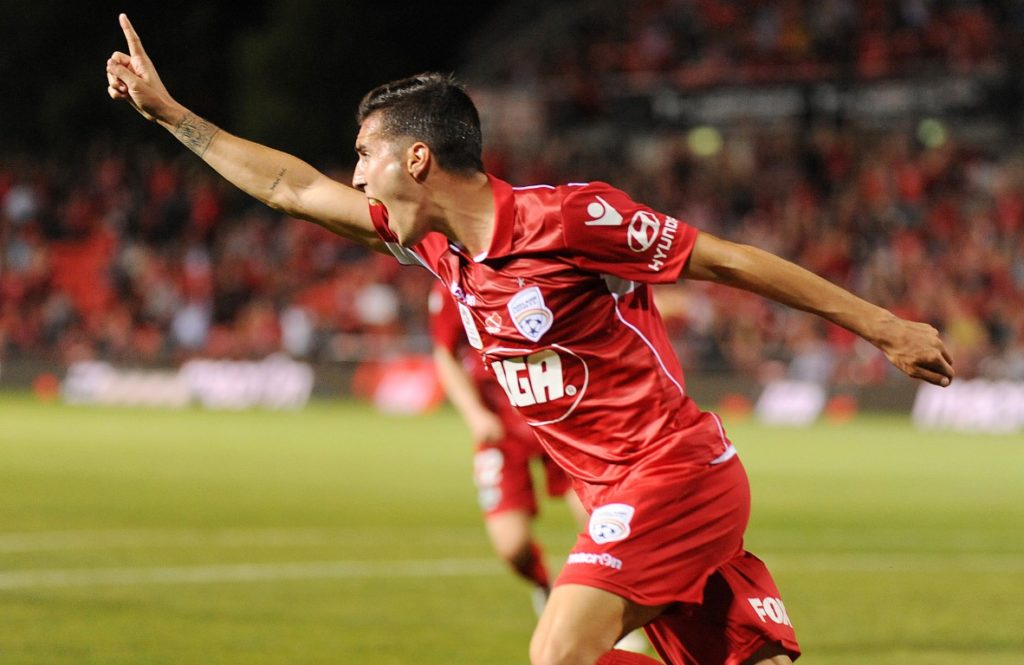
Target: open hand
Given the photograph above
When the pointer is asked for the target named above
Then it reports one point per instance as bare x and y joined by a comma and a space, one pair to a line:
132, 77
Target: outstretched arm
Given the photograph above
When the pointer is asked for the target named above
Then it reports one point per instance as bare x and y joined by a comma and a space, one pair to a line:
915, 348
278, 179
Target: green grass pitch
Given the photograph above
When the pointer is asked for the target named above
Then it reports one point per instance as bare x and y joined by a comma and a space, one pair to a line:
336, 535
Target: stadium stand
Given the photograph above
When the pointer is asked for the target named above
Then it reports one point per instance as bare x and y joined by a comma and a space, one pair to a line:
137, 258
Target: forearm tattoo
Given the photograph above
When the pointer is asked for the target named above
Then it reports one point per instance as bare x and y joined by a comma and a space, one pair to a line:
278, 179
196, 133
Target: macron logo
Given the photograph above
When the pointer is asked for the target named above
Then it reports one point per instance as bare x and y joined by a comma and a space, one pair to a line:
603, 559
602, 214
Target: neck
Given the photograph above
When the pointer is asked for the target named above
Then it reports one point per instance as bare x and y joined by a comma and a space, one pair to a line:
465, 211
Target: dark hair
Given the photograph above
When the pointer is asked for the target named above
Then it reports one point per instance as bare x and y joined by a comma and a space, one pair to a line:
433, 108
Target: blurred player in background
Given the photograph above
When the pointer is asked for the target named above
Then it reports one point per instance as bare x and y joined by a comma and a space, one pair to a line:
553, 286
504, 448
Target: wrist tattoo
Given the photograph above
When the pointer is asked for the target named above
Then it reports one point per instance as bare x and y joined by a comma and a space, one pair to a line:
196, 133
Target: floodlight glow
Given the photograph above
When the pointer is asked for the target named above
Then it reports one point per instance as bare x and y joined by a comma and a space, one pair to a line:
704, 141
932, 133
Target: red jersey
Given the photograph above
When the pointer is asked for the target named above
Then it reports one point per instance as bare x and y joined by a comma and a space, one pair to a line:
561, 312
447, 330
501, 468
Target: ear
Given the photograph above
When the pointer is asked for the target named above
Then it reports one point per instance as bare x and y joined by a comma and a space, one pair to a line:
418, 160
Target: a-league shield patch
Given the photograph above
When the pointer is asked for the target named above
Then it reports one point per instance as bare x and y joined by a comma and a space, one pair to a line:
610, 523
529, 314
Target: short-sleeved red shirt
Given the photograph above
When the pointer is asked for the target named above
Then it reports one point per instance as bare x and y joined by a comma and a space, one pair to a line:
561, 311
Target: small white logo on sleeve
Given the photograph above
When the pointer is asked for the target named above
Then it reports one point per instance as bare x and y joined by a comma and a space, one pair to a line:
668, 237
610, 523
770, 609
529, 313
643, 231
602, 214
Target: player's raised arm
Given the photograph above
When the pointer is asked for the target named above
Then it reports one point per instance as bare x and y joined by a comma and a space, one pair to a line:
278, 179
915, 348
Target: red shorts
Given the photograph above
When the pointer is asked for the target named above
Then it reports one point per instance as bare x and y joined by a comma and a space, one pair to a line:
501, 470
677, 540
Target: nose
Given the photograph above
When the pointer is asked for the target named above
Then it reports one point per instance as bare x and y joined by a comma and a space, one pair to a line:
358, 181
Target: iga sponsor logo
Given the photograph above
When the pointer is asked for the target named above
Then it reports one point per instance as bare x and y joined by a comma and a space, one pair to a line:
610, 523
668, 236
602, 214
770, 608
529, 313
535, 379
591, 558
539, 379
643, 231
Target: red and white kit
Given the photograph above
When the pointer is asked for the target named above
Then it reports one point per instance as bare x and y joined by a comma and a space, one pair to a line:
501, 469
561, 312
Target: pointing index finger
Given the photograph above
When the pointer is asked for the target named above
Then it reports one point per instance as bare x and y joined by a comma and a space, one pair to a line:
134, 43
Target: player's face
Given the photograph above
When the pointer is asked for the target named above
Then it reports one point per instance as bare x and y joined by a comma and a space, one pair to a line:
382, 174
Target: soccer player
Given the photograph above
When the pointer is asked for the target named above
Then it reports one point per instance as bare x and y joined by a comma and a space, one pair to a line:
553, 286
504, 447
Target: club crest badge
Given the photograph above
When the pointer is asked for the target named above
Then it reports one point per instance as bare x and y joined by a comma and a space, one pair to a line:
529, 314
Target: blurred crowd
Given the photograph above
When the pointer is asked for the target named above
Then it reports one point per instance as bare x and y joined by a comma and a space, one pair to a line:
140, 258
137, 258
694, 43
934, 233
